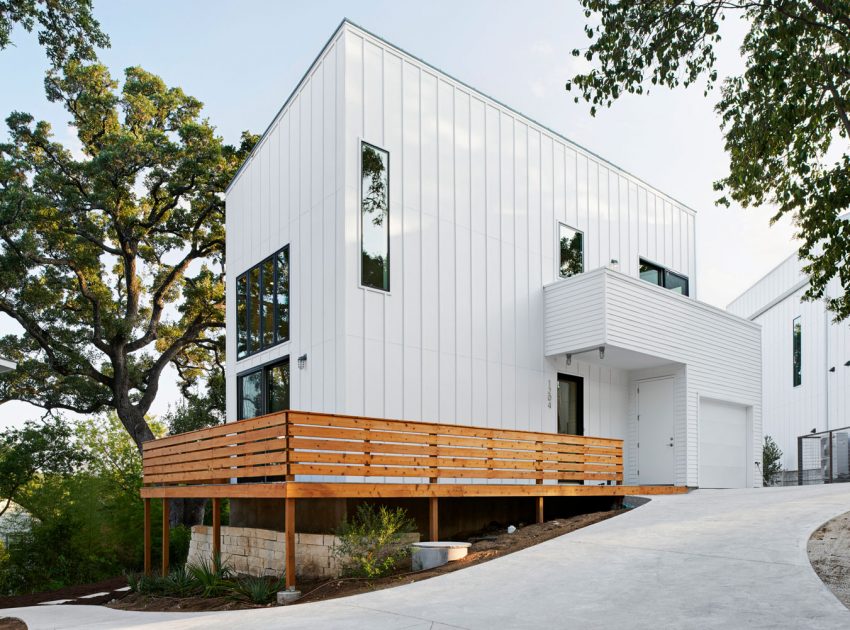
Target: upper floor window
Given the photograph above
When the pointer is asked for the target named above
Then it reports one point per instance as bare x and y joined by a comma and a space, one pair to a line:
374, 217
662, 277
571, 251
262, 305
797, 351
264, 390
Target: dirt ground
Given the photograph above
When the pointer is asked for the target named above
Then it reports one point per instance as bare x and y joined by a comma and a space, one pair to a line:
829, 553
486, 545
12, 623
69, 592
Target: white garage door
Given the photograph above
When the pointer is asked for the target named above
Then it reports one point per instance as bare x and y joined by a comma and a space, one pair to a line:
722, 445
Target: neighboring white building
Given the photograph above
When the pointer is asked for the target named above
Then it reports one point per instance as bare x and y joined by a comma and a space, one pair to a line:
447, 302
6, 365
806, 358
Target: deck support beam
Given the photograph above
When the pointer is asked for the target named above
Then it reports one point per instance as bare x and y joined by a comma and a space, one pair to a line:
539, 510
289, 534
147, 536
165, 533
216, 532
433, 519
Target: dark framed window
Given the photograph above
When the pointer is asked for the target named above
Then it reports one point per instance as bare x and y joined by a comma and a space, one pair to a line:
263, 390
570, 404
570, 251
374, 217
797, 351
262, 305
662, 277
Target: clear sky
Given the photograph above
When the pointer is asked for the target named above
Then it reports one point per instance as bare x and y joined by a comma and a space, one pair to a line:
242, 59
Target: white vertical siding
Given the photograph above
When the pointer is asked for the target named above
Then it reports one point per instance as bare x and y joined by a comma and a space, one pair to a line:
476, 193
290, 193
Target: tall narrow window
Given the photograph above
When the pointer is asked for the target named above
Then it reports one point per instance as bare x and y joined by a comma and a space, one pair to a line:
797, 351
254, 310
264, 390
241, 317
262, 305
375, 218
268, 297
282, 282
571, 248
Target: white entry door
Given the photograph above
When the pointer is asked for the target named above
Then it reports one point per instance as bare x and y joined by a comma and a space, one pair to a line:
656, 461
722, 445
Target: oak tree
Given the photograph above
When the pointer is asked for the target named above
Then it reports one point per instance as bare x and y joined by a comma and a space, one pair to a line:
786, 119
112, 254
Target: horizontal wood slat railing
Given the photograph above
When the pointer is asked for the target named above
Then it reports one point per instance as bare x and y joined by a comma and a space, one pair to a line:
278, 446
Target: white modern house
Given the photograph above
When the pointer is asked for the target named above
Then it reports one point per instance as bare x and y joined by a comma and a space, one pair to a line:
6, 365
806, 357
403, 246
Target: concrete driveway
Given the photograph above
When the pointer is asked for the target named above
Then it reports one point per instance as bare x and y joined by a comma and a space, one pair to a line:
709, 559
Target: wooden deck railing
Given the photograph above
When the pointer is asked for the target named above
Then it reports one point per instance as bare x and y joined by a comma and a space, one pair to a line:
279, 446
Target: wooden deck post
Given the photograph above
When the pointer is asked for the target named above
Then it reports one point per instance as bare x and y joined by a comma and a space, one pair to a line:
147, 536
289, 552
165, 533
539, 509
216, 533
433, 519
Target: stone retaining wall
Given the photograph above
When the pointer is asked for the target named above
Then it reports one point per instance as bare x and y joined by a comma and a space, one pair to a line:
260, 551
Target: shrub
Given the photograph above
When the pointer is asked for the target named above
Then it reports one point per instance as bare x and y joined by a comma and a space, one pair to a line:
178, 544
771, 460
372, 543
258, 590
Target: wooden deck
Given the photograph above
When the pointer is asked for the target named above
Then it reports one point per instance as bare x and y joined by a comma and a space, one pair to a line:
290, 455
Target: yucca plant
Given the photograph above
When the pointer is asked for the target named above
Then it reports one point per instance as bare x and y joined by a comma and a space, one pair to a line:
258, 590
180, 583
213, 578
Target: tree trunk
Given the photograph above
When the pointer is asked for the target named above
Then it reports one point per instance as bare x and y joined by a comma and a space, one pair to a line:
135, 423
187, 512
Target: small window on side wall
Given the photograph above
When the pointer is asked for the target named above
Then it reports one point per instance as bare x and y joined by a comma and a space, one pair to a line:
374, 218
797, 351
570, 251
662, 277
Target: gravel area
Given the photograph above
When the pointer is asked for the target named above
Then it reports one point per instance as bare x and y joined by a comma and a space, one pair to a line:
829, 552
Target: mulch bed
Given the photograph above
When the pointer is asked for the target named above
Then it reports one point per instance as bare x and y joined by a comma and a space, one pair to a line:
486, 545
69, 592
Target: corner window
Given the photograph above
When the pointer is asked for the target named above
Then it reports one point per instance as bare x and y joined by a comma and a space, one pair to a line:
374, 217
264, 390
262, 305
662, 277
571, 251
797, 351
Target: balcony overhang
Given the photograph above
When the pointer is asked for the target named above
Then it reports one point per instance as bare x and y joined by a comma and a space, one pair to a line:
609, 318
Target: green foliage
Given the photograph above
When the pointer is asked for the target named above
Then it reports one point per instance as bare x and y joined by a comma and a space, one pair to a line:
87, 521
213, 577
771, 460
372, 543
200, 409
66, 28
36, 448
786, 120
112, 259
257, 590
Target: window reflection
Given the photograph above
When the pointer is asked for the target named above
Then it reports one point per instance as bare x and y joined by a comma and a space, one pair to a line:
571, 246
374, 218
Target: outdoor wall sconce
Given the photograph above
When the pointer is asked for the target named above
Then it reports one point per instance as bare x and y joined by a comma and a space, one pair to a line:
846, 363
832, 369
601, 352
569, 359
302, 361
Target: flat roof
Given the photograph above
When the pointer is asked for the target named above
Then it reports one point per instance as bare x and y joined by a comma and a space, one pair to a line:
6, 365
